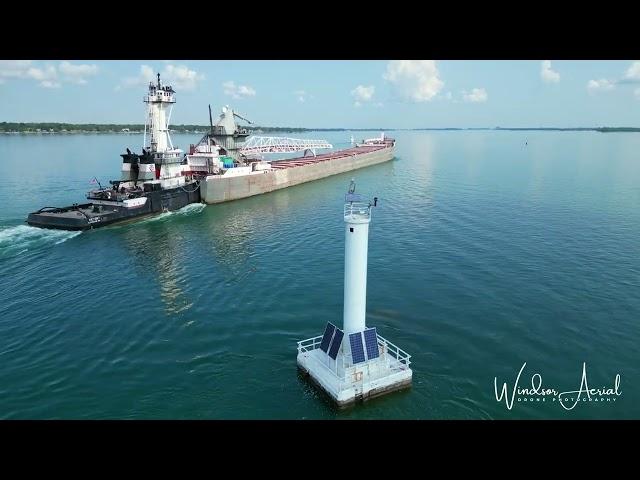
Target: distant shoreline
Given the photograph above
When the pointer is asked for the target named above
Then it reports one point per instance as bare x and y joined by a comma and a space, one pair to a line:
113, 128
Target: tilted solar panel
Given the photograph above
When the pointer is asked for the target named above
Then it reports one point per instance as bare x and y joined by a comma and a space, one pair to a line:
357, 351
371, 343
335, 343
326, 338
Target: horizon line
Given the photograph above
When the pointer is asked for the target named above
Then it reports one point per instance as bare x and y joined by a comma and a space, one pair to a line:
206, 127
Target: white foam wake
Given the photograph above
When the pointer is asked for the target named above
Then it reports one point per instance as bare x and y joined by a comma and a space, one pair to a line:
22, 238
191, 209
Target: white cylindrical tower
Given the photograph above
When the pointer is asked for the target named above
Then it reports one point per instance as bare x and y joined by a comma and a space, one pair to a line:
355, 363
357, 216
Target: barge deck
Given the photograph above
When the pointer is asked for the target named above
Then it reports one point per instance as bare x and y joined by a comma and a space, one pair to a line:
288, 172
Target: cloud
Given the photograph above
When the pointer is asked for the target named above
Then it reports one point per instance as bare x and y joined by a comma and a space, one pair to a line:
41, 73
547, 74
47, 76
477, 95
238, 91
77, 73
14, 68
630, 77
50, 84
145, 76
301, 94
178, 76
362, 94
633, 72
603, 84
25, 69
182, 77
416, 80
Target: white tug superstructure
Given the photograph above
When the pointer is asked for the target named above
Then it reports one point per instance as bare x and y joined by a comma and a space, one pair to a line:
354, 363
167, 160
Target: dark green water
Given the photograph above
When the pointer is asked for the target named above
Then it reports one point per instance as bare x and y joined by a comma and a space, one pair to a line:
484, 254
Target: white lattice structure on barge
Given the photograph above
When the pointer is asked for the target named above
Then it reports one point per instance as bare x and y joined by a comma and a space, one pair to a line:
258, 145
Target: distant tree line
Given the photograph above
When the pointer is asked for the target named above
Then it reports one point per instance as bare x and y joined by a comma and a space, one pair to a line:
618, 129
577, 129
67, 127
51, 127
128, 127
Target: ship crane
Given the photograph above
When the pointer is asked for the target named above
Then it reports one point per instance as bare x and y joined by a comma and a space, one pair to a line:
257, 145
242, 118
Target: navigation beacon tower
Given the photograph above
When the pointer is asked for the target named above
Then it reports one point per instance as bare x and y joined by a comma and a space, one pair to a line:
354, 363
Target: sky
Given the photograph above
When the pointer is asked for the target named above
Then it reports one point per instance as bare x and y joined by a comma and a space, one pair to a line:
331, 94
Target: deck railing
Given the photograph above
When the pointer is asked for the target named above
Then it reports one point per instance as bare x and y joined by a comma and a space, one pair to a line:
395, 351
358, 209
385, 347
309, 344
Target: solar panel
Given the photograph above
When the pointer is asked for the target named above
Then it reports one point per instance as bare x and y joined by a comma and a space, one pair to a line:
326, 337
371, 343
357, 352
335, 343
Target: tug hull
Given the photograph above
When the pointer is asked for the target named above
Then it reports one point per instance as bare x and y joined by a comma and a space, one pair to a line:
85, 216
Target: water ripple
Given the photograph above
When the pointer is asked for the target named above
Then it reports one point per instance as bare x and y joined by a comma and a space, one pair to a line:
482, 255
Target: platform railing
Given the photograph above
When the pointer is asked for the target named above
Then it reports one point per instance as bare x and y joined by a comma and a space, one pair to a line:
395, 351
359, 209
309, 344
386, 347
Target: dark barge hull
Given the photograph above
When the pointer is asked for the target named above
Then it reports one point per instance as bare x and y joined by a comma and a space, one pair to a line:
83, 217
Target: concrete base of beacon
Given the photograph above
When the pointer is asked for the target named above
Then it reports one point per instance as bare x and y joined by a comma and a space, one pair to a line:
377, 378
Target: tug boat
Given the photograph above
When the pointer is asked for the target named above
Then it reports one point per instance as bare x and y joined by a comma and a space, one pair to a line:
158, 180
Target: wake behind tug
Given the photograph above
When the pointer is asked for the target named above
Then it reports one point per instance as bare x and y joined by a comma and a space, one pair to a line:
155, 181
